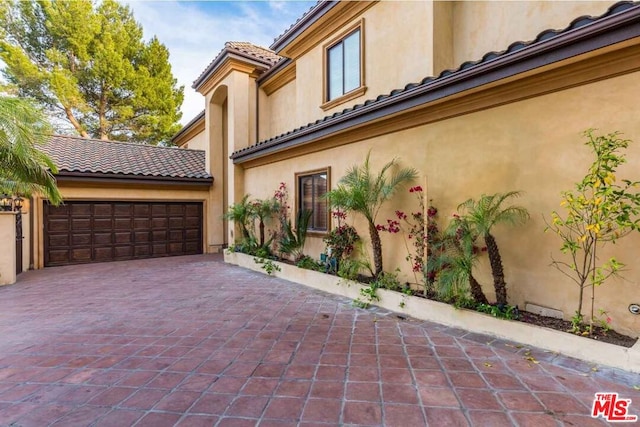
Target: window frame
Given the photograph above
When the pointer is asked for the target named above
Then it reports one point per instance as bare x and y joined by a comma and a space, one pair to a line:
298, 199
328, 103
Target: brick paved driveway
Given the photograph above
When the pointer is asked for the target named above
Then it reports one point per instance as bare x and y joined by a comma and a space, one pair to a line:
192, 341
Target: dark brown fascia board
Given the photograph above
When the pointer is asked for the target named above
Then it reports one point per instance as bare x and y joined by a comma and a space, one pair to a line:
188, 126
274, 70
64, 176
301, 26
600, 34
228, 53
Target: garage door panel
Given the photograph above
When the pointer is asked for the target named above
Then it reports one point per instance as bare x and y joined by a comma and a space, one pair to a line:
102, 238
59, 225
176, 222
59, 256
80, 255
140, 210
141, 223
125, 252
122, 223
141, 236
159, 222
159, 249
81, 232
80, 224
103, 209
100, 224
81, 239
122, 237
103, 254
80, 209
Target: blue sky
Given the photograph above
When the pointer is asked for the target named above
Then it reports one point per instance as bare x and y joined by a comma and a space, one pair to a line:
195, 31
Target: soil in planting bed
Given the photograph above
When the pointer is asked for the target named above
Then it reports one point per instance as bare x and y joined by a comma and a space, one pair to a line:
599, 334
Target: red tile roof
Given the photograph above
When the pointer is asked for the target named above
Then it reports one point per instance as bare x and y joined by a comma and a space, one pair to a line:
266, 57
74, 154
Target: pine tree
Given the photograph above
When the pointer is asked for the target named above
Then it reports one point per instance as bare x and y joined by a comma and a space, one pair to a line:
90, 66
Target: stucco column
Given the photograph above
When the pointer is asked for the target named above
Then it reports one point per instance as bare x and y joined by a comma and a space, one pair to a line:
7, 248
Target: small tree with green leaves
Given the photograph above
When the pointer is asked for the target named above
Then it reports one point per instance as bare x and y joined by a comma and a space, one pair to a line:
363, 191
598, 211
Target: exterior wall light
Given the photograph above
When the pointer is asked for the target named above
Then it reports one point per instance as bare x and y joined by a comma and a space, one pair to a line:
634, 309
17, 203
5, 202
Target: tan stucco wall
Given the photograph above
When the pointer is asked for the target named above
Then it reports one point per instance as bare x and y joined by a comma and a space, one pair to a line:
198, 142
7, 248
122, 192
390, 62
404, 42
534, 146
484, 26
278, 111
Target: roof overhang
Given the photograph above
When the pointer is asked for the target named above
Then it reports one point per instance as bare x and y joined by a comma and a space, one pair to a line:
226, 62
106, 178
322, 20
620, 29
188, 131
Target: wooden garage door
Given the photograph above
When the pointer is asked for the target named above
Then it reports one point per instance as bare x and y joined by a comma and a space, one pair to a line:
82, 232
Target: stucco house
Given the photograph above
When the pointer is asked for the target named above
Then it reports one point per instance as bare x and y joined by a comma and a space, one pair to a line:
479, 97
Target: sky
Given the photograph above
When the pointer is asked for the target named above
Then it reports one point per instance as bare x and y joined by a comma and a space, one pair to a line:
195, 32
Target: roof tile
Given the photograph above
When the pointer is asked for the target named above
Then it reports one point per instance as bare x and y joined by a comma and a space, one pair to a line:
74, 154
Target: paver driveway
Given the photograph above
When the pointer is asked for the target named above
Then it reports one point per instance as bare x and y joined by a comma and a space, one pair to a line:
192, 341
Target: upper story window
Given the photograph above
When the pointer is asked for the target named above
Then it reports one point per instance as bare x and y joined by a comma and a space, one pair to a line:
343, 66
344, 71
311, 188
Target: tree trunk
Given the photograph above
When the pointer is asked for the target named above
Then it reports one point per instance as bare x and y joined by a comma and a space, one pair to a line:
496, 269
261, 226
83, 133
376, 244
476, 291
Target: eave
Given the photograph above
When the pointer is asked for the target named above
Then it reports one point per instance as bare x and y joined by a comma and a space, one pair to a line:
106, 178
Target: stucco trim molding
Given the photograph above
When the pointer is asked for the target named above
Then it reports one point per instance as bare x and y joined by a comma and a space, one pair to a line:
96, 177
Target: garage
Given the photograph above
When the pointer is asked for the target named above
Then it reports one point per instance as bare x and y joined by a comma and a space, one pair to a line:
89, 231
121, 201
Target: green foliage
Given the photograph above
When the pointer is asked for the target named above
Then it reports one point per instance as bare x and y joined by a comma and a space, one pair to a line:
341, 241
508, 312
452, 261
598, 211
309, 263
389, 281
362, 191
240, 213
245, 213
370, 295
89, 65
292, 242
482, 215
267, 265
349, 269
24, 169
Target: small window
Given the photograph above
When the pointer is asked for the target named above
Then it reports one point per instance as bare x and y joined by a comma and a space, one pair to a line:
344, 67
311, 188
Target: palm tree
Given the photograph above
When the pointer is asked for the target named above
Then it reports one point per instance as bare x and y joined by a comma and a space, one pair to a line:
364, 192
453, 266
240, 213
482, 216
23, 168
